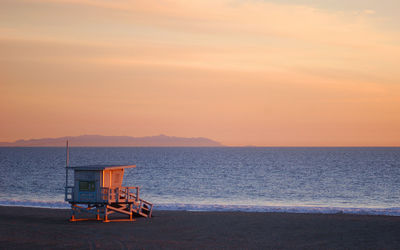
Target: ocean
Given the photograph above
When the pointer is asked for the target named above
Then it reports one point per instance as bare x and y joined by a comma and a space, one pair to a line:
253, 179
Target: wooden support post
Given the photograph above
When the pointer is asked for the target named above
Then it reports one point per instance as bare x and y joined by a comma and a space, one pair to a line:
130, 211
105, 214
73, 213
117, 195
98, 214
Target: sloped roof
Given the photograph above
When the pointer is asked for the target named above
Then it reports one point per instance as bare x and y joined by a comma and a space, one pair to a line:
101, 167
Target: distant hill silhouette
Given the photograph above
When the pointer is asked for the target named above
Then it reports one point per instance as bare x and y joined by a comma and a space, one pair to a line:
115, 141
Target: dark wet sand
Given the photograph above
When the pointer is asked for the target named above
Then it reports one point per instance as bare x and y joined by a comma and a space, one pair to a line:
36, 228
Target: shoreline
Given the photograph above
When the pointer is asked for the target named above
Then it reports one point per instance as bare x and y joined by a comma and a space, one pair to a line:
305, 209
23, 227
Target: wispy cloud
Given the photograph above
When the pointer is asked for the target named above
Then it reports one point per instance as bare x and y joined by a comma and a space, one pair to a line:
258, 64
369, 12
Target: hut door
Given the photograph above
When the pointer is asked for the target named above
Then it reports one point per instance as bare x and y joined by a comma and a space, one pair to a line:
85, 183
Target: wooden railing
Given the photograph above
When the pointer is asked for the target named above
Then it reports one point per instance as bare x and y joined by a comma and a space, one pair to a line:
112, 196
127, 195
121, 194
145, 208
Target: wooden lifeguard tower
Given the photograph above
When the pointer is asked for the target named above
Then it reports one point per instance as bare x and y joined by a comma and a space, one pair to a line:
98, 189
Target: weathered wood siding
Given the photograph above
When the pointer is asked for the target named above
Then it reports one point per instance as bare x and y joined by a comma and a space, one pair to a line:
87, 195
113, 178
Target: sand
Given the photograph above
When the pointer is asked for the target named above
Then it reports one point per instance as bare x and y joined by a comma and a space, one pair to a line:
38, 228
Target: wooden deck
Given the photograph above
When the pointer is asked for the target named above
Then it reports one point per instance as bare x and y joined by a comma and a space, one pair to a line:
123, 200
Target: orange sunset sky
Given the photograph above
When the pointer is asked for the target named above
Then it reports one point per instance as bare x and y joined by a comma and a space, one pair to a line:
242, 72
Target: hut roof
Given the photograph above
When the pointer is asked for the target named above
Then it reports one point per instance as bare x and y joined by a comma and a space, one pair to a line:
101, 167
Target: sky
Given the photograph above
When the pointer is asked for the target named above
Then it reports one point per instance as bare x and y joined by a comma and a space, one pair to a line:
241, 72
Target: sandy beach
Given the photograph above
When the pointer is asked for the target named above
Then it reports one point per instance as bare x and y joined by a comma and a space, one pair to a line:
38, 228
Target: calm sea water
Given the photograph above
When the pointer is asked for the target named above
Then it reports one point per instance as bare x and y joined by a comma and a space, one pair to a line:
311, 180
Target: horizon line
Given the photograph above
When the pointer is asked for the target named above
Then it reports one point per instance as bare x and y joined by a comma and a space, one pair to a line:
222, 146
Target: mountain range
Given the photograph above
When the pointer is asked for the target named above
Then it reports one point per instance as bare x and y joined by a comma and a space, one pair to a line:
115, 141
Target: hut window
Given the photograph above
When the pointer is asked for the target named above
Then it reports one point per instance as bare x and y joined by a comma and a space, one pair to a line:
86, 186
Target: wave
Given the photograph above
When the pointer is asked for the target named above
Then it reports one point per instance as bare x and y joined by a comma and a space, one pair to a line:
39, 204
393, 211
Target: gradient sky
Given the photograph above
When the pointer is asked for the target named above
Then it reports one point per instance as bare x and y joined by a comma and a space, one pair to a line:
266, 73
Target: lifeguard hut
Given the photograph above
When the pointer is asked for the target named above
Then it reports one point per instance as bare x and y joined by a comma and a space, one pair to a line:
98, 189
